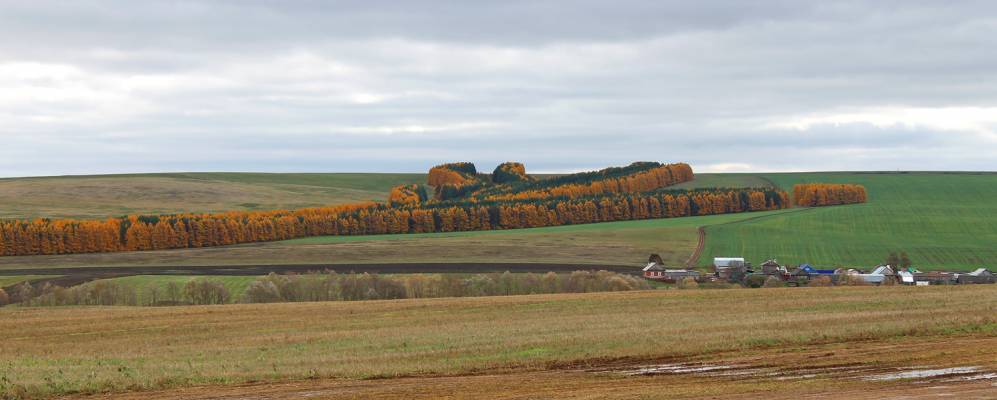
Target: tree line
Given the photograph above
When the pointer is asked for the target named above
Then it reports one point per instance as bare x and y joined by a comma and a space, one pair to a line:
509, 181
828, 194
407, 194
327, 286
43, 236
641, 181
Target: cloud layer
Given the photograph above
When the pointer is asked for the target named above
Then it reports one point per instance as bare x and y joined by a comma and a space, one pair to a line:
100, 87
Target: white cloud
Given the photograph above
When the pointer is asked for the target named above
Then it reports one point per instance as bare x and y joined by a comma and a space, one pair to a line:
979, 120
724, 86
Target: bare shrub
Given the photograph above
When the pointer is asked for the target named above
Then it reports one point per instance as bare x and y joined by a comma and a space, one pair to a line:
206, 291
852, 280
755, 281
173, 292
820, 281
688, 283
4, 298
262, 291
773, 282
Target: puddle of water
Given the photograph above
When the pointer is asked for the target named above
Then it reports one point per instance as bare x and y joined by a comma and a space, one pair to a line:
675, 369
977, 377
804, 376
923, 373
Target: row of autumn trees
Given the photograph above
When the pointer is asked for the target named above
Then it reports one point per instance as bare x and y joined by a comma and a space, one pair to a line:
637, 191
204, 230
828, 194
509, 181
649, 176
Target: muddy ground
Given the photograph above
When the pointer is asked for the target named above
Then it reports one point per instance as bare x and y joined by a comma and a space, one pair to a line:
959, 367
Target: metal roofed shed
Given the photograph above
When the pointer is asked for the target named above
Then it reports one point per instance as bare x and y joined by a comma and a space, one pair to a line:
728, 261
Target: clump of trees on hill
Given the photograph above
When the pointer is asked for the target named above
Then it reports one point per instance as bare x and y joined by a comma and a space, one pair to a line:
328, 286
407, 194
828, 194
510, 172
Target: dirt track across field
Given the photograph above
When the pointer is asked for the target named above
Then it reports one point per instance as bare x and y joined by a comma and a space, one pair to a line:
863, 370
694, 258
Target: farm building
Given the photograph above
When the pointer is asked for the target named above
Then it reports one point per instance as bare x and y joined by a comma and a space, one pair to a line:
934, 278
653, 270
731, 269
980, 275
728, 261
656, 272
772, 267
878, 276
809, 269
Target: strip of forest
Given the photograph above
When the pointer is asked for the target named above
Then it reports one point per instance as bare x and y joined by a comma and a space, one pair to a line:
828, 194
457, 198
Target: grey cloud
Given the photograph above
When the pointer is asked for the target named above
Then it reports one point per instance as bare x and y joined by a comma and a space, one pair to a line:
103, 86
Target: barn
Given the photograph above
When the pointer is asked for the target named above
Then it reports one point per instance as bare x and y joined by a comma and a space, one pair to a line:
980, 275
656, 272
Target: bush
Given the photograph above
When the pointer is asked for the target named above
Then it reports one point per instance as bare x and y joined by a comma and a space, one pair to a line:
820, 281
773, 282
852, 280
688, 283
4, 298
754, 281
206, 291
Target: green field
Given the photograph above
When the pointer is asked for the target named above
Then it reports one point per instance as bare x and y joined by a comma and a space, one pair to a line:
13, 280
101, 196
942, 220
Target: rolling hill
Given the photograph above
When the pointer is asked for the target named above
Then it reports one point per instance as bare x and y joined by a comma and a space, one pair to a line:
942, 220
102, 196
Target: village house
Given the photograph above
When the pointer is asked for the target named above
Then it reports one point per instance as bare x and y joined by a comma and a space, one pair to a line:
732, 269
980, 275
656, 272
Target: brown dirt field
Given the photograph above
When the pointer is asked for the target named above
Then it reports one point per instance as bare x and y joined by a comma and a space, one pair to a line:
833, 371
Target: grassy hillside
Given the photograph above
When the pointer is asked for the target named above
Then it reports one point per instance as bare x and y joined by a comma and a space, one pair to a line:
612, 243
13, 280
92, 349
943, 220
100, 196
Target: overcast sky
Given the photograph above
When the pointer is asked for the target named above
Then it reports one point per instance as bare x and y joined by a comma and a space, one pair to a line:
133, 86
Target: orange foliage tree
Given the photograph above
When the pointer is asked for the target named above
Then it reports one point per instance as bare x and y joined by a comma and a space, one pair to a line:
828, 194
